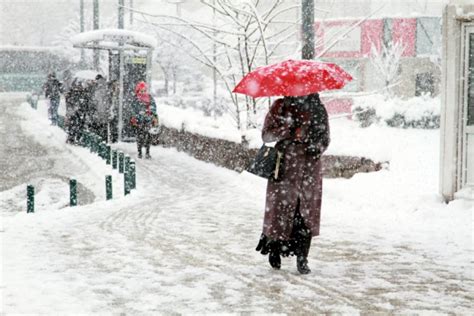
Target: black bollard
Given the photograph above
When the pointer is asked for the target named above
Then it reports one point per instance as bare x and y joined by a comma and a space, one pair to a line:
120, 162
133, 178
30, 199
107, 154
72, 192
108, 187
114, 159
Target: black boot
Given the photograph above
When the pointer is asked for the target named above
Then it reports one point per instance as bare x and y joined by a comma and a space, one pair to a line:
274, 260
302, 265
303, 251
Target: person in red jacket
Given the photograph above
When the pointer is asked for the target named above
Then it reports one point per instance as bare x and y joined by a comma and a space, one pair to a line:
144, 117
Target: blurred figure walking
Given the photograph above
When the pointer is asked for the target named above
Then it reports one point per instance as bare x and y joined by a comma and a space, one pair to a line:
101, 107
144, 117
52, 91
77, 109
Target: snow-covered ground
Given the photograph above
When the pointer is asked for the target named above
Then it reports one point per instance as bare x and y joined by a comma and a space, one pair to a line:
184, 241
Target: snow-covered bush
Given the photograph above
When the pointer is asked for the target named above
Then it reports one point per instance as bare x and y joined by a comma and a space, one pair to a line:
201, 102
417, 112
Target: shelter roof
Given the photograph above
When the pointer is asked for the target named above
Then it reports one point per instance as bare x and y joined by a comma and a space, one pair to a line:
114, 39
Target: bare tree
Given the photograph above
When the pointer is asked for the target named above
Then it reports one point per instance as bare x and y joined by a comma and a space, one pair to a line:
246, 35
386, 61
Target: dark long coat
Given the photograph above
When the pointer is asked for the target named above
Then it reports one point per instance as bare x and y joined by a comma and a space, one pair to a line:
300, 127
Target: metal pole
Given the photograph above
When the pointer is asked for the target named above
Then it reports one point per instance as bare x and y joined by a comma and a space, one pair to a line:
126, 184
120, 105
120, 14
96, 27
133, 177
307, 7
214, 60
126, 164
121, 70
126, 171
72, 192
30, 199
131, 12
108, 155
121, 158
108, 187
114, 159
81, 22
149, 58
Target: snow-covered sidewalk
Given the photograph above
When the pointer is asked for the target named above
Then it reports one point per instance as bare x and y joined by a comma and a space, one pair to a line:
184, 241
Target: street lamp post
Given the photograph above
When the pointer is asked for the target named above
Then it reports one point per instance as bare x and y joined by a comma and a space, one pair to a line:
178, 5
307, 7
81, 24
121, 70
96, 27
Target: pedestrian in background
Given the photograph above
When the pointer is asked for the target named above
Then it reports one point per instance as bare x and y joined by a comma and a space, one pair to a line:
300, 127
144, 117
52, 91
77, 109
100, 106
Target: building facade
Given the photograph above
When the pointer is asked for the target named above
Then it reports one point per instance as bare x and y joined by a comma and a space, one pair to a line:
356, 44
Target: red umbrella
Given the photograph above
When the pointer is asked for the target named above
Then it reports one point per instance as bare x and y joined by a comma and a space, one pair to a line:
293, 78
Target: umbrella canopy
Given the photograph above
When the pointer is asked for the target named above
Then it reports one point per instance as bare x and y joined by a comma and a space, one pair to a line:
292, 78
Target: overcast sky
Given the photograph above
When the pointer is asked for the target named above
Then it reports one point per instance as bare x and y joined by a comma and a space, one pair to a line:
36, 22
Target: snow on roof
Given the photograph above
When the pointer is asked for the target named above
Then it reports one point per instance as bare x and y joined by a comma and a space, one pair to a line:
461, 15
111, 38
29, 48
86, 74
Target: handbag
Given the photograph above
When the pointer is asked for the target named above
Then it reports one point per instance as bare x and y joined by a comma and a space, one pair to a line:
267, 164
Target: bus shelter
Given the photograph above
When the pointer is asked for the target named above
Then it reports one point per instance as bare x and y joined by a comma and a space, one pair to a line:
130, 58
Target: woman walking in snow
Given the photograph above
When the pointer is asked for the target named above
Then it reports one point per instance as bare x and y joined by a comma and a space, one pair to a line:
144, 117
300, 127
52, 91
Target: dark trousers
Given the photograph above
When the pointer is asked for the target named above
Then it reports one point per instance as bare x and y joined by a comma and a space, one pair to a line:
53, 108
143, 139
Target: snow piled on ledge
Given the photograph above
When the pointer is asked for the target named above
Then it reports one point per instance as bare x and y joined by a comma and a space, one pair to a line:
102, 35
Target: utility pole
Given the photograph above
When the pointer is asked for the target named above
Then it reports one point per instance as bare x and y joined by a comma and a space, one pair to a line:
121, 70
131, 12
81, 22
120, 14
214, 60
307, 14
96, 27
